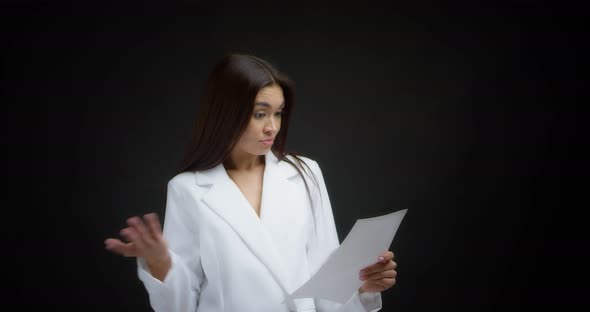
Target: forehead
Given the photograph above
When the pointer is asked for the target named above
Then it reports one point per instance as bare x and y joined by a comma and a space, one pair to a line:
272, 95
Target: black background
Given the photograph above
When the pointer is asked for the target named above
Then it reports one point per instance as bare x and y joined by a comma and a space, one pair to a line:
464, 114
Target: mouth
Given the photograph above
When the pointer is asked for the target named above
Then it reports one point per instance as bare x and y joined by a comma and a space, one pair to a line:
268, 142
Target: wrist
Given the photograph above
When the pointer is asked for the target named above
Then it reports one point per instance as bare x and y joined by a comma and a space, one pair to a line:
159, 264
159, 268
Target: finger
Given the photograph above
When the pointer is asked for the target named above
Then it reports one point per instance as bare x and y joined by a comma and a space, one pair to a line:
371, 269
154, 225
110, 243
125, 234
389, 266
378, 267
383, 284
141, 229
381, 275
117, 246
375, 286
389, 282
385, 257
133, 237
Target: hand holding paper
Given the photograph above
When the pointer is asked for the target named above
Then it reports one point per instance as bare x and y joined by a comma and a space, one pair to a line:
338, 278
380, 276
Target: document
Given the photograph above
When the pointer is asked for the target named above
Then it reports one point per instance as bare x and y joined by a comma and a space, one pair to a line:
338, 278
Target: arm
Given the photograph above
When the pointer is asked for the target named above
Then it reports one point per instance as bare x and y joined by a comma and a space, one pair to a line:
178, 287
320, 246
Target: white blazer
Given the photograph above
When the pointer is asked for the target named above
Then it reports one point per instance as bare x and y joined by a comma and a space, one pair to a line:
226, 258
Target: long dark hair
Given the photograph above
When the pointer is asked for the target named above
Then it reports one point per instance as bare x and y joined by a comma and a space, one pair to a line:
226, 108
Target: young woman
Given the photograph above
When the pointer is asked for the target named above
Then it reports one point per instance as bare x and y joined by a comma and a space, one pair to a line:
245, 222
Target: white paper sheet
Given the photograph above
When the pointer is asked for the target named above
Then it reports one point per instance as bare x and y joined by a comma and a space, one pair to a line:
338, 278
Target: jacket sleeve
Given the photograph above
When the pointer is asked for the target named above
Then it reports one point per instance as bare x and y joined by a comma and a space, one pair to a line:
181, 287
324, 242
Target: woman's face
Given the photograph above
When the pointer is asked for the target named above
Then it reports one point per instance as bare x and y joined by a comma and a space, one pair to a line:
265, 121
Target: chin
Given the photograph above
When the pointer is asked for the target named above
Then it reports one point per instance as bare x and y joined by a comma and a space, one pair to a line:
260, 152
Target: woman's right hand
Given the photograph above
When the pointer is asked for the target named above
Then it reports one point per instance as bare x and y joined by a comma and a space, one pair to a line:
144, 239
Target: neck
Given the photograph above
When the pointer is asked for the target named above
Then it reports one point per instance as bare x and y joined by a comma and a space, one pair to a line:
243, 161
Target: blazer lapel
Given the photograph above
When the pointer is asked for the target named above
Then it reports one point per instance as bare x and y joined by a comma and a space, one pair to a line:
227, 201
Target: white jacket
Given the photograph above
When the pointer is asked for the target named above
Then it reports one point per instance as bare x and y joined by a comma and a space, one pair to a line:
226, 258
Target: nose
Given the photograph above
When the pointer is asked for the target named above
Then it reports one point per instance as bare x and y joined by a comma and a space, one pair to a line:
271, 127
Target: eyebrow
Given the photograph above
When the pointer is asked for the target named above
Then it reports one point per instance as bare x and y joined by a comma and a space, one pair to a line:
265, 104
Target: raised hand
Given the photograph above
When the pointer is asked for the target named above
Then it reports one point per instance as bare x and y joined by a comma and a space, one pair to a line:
379, 276
143, 239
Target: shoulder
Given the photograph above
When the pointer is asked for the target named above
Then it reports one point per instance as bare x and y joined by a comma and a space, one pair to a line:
181, 179
313, 172
307, 160
182, 183
304, 163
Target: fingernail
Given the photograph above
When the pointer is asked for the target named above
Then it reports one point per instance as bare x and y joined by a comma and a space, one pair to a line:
381, 259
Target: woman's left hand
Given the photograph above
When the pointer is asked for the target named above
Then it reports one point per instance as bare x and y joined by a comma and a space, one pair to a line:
379, 276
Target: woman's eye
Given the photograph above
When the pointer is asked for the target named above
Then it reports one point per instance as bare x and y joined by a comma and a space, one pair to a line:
261, 115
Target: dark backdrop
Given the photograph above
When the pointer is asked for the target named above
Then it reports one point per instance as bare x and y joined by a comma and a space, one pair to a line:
462, 114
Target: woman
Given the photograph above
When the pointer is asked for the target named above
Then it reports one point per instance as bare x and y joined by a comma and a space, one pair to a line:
245, 223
